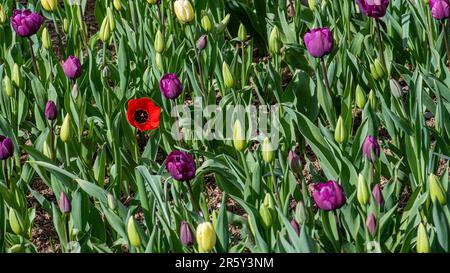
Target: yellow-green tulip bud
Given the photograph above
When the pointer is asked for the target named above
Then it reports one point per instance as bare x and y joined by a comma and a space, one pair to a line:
16, 249
312, 4
374, 72
110, 16
184, 11
49, 5
437, 192
242, 32
360, 97
340, 134
381, 71
117, 5
267, 149
16, 76
65, 25
396, 89
151, 1
7, 86
275, 42
16, 222
250, 225
267, 211
227, 76
66, 129
158, 61
301, 213
206, 237
373, 100
3, 15
239, 139
362, 191
105, 30
46, 150
422, 244
112, 201
206, 23
133, 234
223, 24
159, 42
46, 40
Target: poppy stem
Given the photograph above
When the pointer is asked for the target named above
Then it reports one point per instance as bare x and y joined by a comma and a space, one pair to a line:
325, 76
33, 58
191, 193
380, 43
447, 46
5, 172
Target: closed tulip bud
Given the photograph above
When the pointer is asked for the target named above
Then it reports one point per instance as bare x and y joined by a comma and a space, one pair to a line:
16, 222
295, 164
312, 4
206, 23
105, 30
275, 42
46, 150
242, 33
373, 102
3, 15
65, 25
184, 11
112, 202
340, 134
46, 40
396, 89
250, 225
6, 147
422, 244
223, 24
49, 5
362, 191
110, 16
371, 149
159, 42
360, 97
7, 86
267, 211
66, 129
117, 5
374, 9
381, 70
301, 214
186, 236
371, 224
206, 237
239, 139
201, 42
64, 203
133, 234
153, 1
158, 61
267, 149
295, 226
377, 194
16, 76
227, 76
437, 192
374, 72
51, 112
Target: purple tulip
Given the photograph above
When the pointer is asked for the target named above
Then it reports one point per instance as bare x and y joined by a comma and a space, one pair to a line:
319, 42
186, 235
6, 147
440, 9
329, 195
295, 226
180, 165
170, 86
64, 203
51, 112
25, 22
371, 150
377, 195
201, 42
373, 8
294, 161
72, 67
371, 224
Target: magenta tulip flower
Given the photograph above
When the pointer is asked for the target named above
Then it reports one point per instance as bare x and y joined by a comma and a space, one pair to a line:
180, 165
25, 22
170, 86
72, 67
440, 9
371, 150
319, 42
373, 8
6, 148
329, 195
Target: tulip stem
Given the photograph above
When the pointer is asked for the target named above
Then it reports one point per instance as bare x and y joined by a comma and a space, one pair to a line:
5, 172
380, 43
200, 75
191, 193
66, 227
325, 76
339, 229
447, 46
160, 17
33, 58
52, 139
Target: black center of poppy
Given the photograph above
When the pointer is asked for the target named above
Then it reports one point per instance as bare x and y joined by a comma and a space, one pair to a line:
141, 116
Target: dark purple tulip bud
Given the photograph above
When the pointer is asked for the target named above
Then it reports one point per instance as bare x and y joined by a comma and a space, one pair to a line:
371, 150
202, 42
329, 195
180, 165
186, 235
294, 162
440, 9
319, 42
25, 22
377, 195
371, 224
72, 67
373, 8
295, 226
6, 147
64, 203
51, 112
170, 86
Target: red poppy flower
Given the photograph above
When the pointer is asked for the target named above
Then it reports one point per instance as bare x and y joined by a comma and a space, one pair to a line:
143, 114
